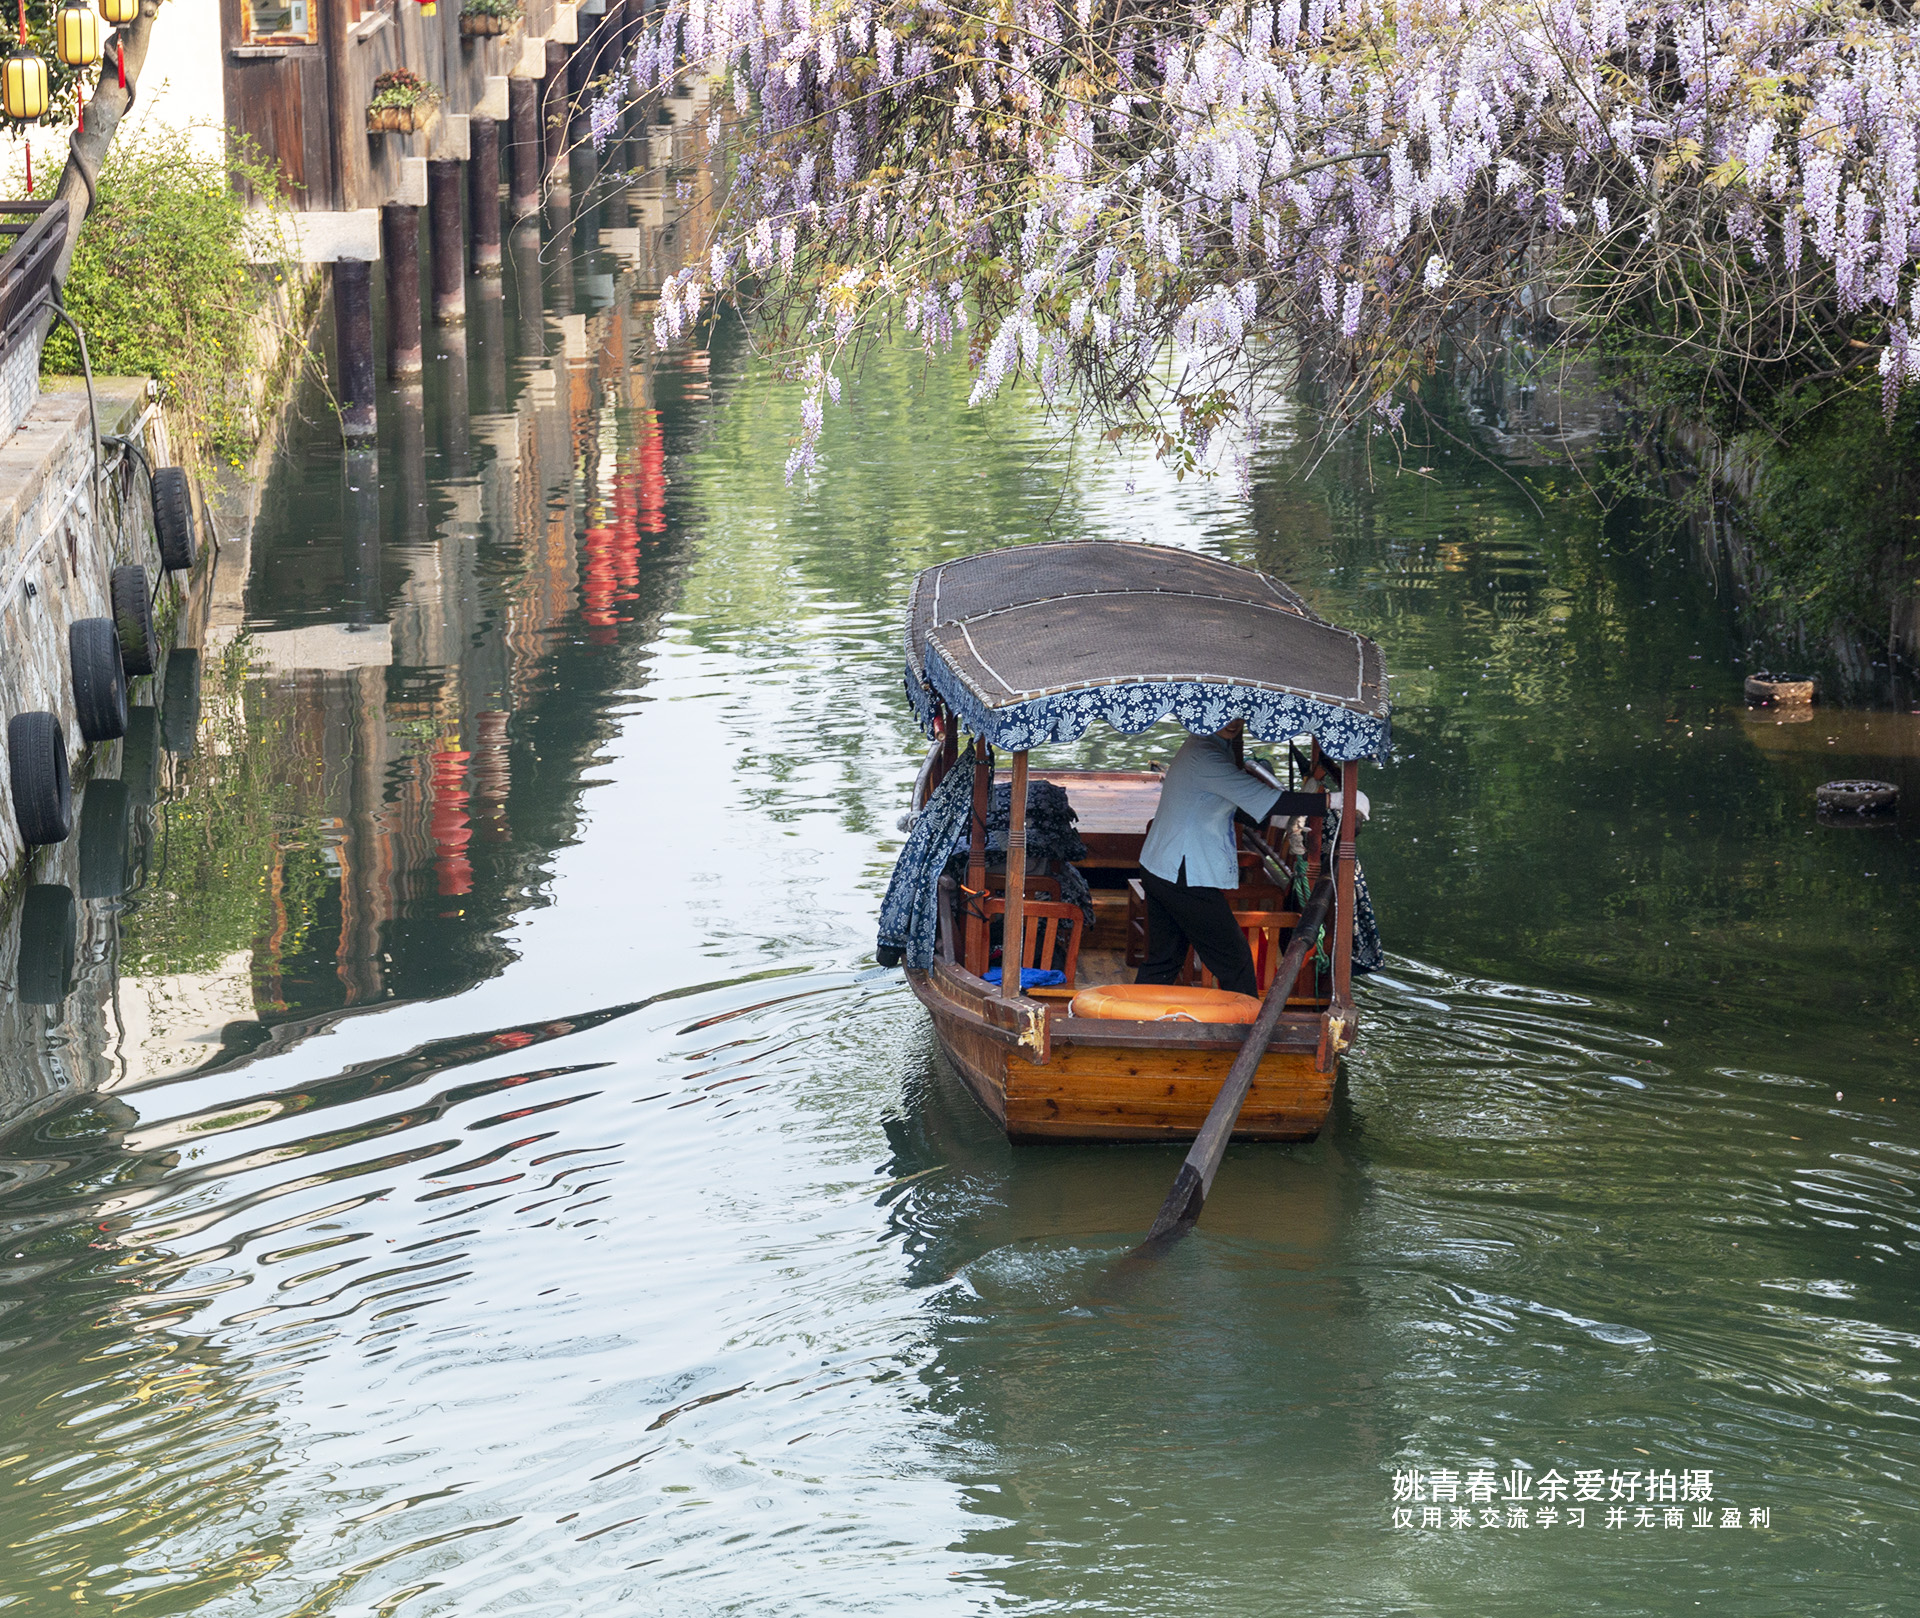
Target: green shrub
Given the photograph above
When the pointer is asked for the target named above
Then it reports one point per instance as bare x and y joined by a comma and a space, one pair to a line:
162, 284
1823, 489
1834, 512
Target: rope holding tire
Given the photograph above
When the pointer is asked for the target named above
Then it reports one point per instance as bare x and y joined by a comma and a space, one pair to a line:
173, 518
37, 767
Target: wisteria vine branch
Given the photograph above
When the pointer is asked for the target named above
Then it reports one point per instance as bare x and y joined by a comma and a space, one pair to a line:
1308, 190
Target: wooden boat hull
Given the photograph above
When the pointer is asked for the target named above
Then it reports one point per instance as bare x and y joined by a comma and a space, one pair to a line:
1043, 1075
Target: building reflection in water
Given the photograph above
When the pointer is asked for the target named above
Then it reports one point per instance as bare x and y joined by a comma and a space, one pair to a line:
347, 780
355, 767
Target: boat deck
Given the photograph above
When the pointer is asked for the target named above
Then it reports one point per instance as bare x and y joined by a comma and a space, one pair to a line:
1099, 967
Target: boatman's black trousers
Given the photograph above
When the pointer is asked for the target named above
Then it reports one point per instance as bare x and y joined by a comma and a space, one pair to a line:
1177, 916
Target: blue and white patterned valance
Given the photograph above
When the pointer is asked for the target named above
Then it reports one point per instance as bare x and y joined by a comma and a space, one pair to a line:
1203, 707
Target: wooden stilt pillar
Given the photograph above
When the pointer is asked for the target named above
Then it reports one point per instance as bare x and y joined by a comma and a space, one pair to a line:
456, 419
487, 345
1013, 935
483, 195
410, 441
632, 15
529, 295
400, 244
554, 112
449, 260
582, 66
526, 147
976, 935
353, 332
560, 249
360, 537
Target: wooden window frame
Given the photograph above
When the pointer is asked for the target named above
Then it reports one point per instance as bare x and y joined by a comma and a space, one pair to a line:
310, 37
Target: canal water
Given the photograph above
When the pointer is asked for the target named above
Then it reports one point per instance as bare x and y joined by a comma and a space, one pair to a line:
475, 1168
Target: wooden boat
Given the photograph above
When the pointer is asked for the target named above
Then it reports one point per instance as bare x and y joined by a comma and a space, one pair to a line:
1019, 648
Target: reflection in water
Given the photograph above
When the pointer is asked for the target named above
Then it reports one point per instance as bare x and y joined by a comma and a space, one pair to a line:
468, 1170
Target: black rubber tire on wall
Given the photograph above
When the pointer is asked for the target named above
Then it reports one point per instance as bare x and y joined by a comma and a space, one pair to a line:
106, 840
49, 943
173, 518
180, 702
37, 768
133, 620
140, 754
99, 682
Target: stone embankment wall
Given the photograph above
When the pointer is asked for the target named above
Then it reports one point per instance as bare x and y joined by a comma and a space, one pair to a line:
56, 554
1866, 657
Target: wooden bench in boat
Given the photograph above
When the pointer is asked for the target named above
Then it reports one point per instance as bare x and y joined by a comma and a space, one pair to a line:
1050, 928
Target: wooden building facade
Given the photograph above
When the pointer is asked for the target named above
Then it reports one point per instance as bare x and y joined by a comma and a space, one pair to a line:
299, 75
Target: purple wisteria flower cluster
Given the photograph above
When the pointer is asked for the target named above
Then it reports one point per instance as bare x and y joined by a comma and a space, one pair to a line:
1159, 211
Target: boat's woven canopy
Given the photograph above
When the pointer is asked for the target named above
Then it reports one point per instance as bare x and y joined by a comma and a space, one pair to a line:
1033, 644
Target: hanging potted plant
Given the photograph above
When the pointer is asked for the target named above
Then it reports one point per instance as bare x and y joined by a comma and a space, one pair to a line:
402, 103
489, 17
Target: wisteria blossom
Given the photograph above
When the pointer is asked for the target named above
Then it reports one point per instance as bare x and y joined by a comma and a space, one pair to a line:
1158, 210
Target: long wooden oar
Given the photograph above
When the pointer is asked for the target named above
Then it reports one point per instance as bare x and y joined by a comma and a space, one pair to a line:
1181, 1210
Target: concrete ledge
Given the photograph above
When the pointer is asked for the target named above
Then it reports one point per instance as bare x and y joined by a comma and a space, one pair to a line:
326, 238
411, 192
453, 138
33, 453
494, 103
566, 24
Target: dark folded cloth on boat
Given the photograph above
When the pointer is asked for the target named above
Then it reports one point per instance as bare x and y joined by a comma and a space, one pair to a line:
1051, 817
1053, 843
910, 913
939, 841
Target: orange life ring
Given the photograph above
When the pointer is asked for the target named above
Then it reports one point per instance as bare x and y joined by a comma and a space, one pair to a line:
1163, 1002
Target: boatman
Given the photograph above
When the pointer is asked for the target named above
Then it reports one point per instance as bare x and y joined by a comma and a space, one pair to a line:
1189, 862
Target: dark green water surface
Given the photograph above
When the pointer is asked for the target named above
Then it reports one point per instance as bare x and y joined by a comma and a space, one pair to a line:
470, 1173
